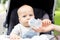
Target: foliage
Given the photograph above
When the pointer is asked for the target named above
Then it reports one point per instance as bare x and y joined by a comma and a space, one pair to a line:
3, 1
57, 20
57, 4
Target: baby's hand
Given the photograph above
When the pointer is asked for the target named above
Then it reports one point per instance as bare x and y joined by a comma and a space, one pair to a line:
46, 22
14, 37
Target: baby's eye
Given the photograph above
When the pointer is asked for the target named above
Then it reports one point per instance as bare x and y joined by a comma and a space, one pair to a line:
24, 16
30, 15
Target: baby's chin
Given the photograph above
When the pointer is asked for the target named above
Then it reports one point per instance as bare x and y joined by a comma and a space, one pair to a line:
27, 26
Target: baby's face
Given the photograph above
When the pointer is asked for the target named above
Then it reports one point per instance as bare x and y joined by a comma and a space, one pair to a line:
25, 16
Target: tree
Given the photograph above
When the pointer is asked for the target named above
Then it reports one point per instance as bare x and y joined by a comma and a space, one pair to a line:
58, 5
3, 1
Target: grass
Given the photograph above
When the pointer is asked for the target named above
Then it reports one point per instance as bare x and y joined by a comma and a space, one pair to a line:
57, 20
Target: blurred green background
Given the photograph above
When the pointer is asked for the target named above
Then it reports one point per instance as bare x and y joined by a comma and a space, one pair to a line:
57, 16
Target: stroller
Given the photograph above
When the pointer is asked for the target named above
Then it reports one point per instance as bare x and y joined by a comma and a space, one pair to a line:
40, 6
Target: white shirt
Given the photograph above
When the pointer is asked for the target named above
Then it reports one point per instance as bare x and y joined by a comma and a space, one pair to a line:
20, 30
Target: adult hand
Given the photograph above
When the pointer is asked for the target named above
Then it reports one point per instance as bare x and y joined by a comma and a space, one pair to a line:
45, 29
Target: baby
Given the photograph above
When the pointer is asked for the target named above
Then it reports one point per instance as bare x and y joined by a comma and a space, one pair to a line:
23, 29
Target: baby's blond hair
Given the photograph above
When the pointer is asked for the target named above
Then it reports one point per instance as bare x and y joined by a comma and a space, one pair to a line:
24, 8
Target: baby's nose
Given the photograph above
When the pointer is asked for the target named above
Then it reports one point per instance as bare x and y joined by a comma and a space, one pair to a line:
28, 18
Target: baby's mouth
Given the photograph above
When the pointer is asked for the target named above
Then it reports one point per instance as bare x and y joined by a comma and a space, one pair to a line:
26, 22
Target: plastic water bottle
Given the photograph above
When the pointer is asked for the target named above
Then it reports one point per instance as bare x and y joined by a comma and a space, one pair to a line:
35, 23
